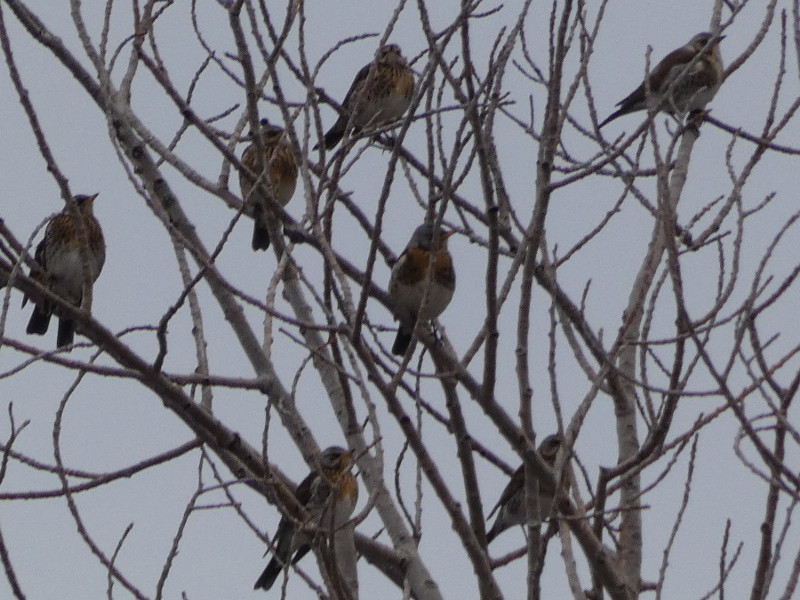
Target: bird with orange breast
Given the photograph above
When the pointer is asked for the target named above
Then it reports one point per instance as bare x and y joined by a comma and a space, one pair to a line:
329, 496
410, 284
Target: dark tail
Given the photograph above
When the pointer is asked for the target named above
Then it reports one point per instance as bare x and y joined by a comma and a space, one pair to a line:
66, 332
493, 532
40, 320
260, 231
401, 342
612, 116
335, 134
270, 574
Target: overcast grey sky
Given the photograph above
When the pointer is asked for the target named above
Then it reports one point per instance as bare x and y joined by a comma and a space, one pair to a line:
110, 422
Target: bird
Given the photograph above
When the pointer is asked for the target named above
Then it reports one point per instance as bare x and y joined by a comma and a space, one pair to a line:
331, 486
380, 93
272, 176
409, 281
511, 506
61, 266
669, 89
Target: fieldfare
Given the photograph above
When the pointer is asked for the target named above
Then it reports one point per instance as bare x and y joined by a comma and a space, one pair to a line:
408, 285
674, 89
380, 93
512, 501
332, 486
61, 265
273, 176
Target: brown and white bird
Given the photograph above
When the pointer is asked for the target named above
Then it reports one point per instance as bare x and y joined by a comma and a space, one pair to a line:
674, 91
62, 268
511, 506
329, 496
409, 280
274, 170
380, 93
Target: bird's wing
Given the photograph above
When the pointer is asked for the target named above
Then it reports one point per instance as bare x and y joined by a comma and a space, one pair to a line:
355, 87
40, 252
305, 490
670, 67
517, 481
666, 71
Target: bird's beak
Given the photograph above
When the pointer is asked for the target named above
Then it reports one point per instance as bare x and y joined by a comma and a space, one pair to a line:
718, 40
443, 236
90, 199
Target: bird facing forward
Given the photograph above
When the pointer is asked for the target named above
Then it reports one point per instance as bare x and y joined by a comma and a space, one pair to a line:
409, 281
273, 176
332, 486
511, 506
674, 91
380, 93
61, 266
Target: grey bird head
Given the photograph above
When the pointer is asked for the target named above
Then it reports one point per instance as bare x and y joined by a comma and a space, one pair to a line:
423, 237
389, 52
269, 133
699, 41
549, 448
332, 458
83, 200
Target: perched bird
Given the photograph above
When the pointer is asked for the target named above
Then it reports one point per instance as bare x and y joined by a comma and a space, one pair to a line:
62, 268
409, 280
332, 486
380, 93
512, 501
692, 90
275, 173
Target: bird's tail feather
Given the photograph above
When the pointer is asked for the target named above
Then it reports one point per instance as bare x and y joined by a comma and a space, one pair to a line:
270, 574
260, 234
40, 320
66, 332
401, 342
